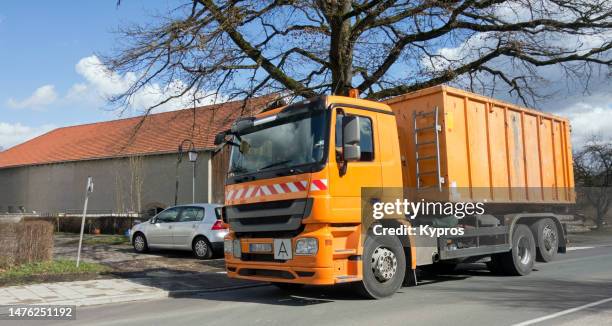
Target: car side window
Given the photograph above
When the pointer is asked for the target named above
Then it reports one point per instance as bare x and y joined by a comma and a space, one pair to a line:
192, 214
168, 216
367, 138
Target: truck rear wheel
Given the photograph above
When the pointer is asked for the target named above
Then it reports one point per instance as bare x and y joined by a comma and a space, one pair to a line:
519, 260
547, 239
384, 267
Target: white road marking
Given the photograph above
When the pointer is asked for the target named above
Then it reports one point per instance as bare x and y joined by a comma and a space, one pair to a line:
578, 248
224, 272
563, 313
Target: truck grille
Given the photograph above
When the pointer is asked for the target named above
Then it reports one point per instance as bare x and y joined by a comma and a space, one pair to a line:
268, 218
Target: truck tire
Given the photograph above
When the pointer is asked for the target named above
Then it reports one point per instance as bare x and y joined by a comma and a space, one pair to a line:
547, 239
384, 267
495, 265
520, 259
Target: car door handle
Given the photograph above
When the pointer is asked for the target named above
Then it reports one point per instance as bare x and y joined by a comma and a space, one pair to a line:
169, 227
194, 226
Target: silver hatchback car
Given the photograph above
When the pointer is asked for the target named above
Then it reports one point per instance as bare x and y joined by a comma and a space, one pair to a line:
195, 227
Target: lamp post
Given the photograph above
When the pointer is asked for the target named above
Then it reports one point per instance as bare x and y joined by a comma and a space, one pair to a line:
193, 157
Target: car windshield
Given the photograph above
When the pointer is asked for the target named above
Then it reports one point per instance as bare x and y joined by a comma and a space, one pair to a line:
282, 143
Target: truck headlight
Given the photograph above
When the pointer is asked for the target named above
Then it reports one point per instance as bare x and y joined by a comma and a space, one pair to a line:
237, 248
228, 246
306, 246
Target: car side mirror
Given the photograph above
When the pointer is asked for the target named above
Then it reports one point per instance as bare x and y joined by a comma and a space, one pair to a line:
152, 220
351, 138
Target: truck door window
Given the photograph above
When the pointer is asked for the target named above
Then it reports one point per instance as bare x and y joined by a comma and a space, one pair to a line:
367, 139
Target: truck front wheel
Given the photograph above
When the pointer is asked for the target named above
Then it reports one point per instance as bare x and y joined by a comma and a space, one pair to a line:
384, 267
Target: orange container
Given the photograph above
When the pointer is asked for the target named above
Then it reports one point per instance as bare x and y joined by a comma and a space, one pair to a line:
472, 147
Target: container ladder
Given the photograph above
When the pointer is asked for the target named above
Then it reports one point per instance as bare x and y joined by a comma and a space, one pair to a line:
436, 128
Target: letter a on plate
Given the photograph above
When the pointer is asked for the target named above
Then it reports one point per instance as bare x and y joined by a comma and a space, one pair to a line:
282, 249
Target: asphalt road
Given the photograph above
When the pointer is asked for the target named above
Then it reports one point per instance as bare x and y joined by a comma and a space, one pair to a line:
574, 290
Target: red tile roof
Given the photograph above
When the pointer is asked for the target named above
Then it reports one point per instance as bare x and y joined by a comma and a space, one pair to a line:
155, 133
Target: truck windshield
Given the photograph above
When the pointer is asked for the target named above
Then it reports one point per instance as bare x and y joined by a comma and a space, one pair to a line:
283, 143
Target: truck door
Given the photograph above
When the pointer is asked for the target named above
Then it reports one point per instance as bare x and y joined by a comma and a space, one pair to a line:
346, 189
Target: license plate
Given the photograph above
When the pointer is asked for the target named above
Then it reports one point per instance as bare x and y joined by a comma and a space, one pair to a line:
260, 247
282, 249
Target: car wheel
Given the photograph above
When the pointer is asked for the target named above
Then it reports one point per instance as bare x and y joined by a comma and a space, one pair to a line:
384, 267
140, 243
202, 248
547, 239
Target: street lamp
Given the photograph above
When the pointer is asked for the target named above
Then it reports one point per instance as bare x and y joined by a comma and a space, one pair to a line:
193, 157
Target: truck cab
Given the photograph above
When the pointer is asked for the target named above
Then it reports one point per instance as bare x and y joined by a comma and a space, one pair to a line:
293, 192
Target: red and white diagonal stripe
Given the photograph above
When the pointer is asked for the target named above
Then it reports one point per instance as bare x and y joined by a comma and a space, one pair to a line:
320, 184
275, 189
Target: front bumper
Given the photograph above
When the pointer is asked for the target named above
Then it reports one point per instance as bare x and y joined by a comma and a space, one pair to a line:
334, 262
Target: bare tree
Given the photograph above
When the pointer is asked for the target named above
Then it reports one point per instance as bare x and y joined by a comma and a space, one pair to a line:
244, 48
593, 173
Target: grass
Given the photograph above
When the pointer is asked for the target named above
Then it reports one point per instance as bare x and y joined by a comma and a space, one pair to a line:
106, 240
100, 239
48, 270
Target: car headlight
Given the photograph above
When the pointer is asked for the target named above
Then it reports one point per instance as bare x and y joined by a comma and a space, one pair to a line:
306, 246
227, 246
237, 248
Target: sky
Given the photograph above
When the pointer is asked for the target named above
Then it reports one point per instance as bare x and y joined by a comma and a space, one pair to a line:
49, 72
51, 76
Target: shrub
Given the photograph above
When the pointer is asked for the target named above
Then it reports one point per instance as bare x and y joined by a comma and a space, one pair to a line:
24, 242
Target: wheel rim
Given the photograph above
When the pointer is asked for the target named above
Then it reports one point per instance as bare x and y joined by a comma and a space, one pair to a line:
550, 238
384, 264
139, 243
201, 248
524, 251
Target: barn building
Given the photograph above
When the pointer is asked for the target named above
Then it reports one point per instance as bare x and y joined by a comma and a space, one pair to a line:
134, 163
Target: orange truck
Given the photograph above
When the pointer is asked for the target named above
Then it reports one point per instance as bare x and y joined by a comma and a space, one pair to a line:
300, 177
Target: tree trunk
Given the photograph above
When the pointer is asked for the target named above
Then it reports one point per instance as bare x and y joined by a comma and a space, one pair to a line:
341, 51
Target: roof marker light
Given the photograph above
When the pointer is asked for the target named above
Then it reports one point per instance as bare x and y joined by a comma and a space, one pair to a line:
264, 120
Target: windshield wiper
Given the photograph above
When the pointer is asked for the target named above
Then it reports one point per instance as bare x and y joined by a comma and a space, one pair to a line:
274, 164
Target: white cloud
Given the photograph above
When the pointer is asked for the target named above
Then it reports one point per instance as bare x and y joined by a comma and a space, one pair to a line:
42, 97
101, 84
589, 115
12, 134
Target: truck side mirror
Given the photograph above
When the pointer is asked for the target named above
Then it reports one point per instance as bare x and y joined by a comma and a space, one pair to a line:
241, 125
220, 138
351, 138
